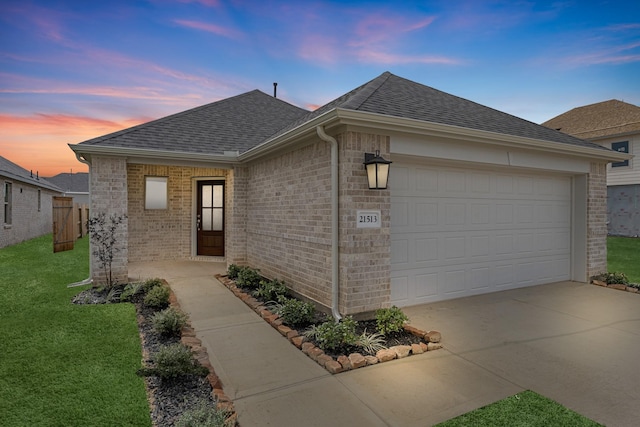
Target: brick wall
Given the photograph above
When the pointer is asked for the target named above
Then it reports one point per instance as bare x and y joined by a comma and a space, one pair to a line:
289, 219
108, 180
597, 219
236, 209
27, 221
288, 224
365, 253
165, 233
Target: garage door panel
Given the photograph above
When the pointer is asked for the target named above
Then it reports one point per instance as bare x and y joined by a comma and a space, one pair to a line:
466, 231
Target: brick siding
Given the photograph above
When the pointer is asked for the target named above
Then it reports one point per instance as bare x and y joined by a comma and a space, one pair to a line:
597, 219
164, 234
108, 180
27, 222
289, 223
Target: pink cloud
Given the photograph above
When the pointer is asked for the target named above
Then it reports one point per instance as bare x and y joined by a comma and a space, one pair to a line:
208, 3
379, 27
210, 28
380, 57
39, 141
615, 55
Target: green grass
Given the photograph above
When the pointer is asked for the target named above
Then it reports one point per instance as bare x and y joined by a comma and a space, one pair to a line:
63, 364
523, 409
623, 256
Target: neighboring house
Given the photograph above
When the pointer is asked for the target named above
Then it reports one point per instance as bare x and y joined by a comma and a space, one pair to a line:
74, 185
478, 200
27, 204
613, 124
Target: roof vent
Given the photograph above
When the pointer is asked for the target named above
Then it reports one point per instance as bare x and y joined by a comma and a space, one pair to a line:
275, 89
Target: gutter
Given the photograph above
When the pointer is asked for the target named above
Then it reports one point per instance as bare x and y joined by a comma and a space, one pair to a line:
89, 279
335, 218
83, 150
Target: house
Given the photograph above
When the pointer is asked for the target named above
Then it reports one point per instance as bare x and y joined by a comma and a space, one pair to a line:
478, 200
74, 185
27, 204
613, 124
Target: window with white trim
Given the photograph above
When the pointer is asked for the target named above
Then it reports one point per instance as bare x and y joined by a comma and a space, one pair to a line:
7, 202
622, 147
156, 192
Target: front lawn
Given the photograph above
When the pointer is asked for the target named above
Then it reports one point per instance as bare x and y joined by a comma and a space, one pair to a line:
60, 363
623, 255
523, 409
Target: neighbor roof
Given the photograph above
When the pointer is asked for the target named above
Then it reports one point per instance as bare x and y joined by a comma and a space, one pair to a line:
72, 182
391, 95
13, 171
233, 124
606, 118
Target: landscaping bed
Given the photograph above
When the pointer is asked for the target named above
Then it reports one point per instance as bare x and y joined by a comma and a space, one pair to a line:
336, 346
614, 280
185, 393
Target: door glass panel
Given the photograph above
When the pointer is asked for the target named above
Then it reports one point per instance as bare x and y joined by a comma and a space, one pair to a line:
217, 196
217, 219
207, 196
206, 219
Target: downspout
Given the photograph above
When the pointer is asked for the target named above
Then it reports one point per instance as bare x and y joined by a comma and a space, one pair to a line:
335, 218
89, 279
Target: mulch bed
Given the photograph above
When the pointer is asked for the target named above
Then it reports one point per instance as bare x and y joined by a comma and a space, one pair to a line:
408, 341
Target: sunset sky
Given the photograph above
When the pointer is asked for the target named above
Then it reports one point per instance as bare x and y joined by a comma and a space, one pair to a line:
74, 70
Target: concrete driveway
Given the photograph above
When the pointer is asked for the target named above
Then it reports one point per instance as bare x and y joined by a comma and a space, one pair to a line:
575, 343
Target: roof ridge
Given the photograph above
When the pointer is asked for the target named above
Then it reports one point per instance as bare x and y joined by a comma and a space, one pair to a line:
363, 93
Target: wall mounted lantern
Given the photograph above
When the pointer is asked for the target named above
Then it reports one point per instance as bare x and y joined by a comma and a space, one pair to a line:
377, 170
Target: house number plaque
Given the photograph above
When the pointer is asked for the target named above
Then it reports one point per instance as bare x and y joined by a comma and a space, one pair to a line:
368, 219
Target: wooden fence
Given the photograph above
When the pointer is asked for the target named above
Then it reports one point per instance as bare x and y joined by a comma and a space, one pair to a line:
69, 223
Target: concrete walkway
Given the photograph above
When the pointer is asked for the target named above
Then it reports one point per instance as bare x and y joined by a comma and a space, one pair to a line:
577, 344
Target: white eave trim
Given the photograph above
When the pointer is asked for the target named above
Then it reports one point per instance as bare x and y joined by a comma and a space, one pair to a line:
289, 137
84, 150
392, 123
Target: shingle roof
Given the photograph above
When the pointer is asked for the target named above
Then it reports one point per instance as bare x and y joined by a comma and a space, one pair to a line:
71, 182
606, 118
248, 120
13, 171
391, 95
233, 124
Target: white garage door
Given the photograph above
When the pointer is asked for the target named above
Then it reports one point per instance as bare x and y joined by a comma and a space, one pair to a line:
458, 231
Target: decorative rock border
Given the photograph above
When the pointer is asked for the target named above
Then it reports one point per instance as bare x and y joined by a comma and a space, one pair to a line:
188, 338
619, 287
342, 363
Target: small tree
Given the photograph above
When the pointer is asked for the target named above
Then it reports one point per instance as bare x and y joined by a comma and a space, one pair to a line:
103, 237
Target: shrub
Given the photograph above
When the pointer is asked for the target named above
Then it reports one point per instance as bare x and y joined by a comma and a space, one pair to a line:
332, 335
616, 279
295, 312
390, 320
270, 290
232, 271
169, 322
103, 235
131, 290
150, 284
203, 415
172, 361
114, 294
371, 343
248, 278
157, 297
